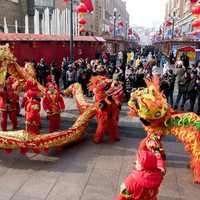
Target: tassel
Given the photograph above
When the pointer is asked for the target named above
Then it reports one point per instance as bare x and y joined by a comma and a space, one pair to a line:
8, 151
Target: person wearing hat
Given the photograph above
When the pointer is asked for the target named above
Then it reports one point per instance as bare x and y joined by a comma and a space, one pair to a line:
145, 179
43, 71
53, 105
8, 105
32, 109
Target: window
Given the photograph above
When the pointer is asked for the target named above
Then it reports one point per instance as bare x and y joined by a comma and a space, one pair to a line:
15, 1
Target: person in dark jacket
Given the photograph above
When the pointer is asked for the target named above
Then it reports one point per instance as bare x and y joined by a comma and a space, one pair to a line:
56, 73
130, 79
171, 79
192, 90
64, 68
139, 81
109, 73
43, 71
164, 86
183, 84
198, 88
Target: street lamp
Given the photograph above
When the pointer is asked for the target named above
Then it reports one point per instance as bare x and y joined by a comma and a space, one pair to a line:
163, 29
126, 29
115, 17
173, 20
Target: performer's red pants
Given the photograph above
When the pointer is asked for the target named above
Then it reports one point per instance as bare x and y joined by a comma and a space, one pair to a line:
34, 129
54, 123
18, 108
13, 118
111, 125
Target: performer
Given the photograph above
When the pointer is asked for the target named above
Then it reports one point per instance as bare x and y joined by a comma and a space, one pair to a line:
8, 105
51, 79
145, 179
107, 109
53, 104
28, 86
32, 109
29, 68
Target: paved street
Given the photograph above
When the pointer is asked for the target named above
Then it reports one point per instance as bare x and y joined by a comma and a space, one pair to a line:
85, 171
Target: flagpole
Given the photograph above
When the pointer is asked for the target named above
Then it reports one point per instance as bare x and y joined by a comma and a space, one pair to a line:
71, 32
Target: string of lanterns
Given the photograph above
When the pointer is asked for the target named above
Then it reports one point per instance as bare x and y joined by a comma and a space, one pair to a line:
82, 9
196, 12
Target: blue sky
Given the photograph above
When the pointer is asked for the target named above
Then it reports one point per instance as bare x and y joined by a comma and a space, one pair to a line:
146, 12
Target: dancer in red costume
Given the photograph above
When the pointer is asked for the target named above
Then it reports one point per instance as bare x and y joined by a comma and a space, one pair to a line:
53, 104
145, 179
32, 109
51, 79
8, 105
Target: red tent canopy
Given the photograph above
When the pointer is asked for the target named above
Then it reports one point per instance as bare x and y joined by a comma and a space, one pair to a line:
186, 49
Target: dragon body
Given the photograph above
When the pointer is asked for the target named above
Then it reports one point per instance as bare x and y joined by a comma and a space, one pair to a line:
25, 140
157, 116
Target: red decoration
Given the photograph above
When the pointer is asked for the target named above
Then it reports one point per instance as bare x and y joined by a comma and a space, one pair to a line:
170, 43
82, 9
176, 31
130, 32
195, 24
111, 29
193, 1
196, 10
82, 21
82, 30
195, 33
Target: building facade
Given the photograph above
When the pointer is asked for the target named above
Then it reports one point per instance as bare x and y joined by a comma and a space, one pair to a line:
181, 11
98, 21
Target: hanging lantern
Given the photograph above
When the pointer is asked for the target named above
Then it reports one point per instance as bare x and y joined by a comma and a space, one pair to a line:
82, 30
111, 30
196, 10
193, 1
82, 21
195, 33
176, 31
81, 9
170, 43
195, 24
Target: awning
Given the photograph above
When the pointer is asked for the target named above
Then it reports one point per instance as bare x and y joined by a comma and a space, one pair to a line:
41, 37
100, 39
186, 49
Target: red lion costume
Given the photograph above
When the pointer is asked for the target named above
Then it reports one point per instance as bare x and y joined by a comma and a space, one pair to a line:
107, 109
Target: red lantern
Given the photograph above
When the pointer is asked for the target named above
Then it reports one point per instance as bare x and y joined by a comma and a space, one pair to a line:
170, 43
82, 21
111, 30
193, 1
195, 33
195, 24
196, 10
82, 9
82, 30
176, 31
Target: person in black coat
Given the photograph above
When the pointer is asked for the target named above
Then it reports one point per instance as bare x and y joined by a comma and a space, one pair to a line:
64, 68
130, 80
56, 73
192, 90
183, 84
43, 71
171, 79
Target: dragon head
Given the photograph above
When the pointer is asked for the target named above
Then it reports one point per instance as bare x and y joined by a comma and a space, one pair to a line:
5, 52
103, 88
148, 102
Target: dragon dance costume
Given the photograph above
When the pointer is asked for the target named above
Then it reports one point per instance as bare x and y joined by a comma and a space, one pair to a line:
145, 179
53, 104
32, 109
8, 99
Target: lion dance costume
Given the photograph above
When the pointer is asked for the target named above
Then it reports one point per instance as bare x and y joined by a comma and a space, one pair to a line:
158, 117
107, 109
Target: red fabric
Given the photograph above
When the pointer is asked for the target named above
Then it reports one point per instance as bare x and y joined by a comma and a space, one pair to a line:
13, 118
34, 129
111, 125
89, 5
9, 94
53, 102
24, 100
17, 107
144, 184
54, 123
168, 23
